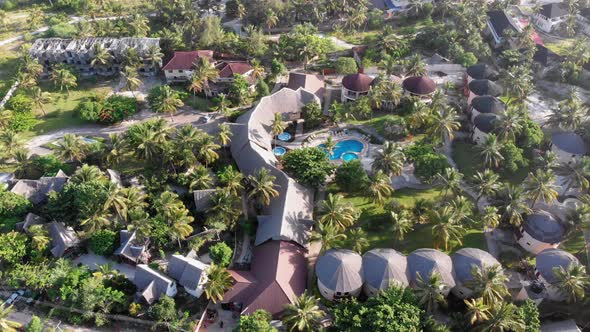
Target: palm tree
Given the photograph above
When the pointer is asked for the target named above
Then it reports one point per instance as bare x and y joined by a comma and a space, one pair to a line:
207, 151
380, 189
154, 55
402, 224
489, 283
263, 187
226, 207
503, 317
7, 325
329, 145
231, 179
477, 311
40, 98
64, 78
222, 105
39, 237
575, 174
389, 41
71, 148
180, 228
139, 25
271, 19
334, 212
277, 126
116, 200
513, 204
225, 134
218, 282
571, 282
490, 217
429, 291
199, 178
204, 72
485, 183
445, 227
329, 236
5, 118
570, 113
132, 81
414, 66
10, 141
170, 102
101, 57
490, 150
88, 173
359, 239
390, 159
303, 315
450, 180
541, 185
95, 222
509, 125
444, 124
257, 70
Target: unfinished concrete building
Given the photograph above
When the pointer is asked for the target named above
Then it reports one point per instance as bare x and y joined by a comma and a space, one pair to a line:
79, 53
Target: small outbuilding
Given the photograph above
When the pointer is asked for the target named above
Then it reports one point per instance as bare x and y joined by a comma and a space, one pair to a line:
547, 260
483, 88
463, 262
480, 71
340, 274
419, 86
540, 231
424, 262
483, 125
568, 146
354, 86
152, 284
382, 269
486, 105
130, 249
189, 272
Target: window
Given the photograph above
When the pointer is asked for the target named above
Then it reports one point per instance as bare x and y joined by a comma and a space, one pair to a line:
180, 70
528, 243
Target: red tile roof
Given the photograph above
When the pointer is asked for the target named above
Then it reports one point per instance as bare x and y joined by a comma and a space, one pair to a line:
186, 60
228, 69
277, 276
357, 82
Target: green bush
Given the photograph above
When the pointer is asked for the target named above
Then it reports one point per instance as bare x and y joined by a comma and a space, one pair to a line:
35, 325
427, 162
20, 103
103, 242
346, 65
221, 254
62, 30
112, 110
351, 176
309, 166
22, 121
13, 205
514, 158
312, 113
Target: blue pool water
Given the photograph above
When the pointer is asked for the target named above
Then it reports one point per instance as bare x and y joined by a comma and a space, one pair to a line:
284, 136
343, 149
348, 156
279, 151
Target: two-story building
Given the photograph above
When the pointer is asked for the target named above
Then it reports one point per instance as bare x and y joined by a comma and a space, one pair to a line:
551, 16
182, 65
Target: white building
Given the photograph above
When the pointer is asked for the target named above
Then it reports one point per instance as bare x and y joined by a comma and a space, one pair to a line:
464, 260
340, 274
382, 269
483, 125
182, 65
422, 263
547, 260
568, 146
540, 231
189, 272
354, 86
550, 17
419, 86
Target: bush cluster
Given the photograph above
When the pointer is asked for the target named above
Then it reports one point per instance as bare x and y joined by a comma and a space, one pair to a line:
110, 110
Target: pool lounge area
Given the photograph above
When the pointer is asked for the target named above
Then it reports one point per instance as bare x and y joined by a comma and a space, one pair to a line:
346, 149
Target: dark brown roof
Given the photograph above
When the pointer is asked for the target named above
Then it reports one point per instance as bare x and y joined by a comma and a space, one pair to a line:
277, 276
228, 69
186, 60
357, 82
419, 85
485, 87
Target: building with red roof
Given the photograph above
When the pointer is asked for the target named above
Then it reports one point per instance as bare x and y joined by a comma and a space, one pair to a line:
276, 277
354, 86
182, 65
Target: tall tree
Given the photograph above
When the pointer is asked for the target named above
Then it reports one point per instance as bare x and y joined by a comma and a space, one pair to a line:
512, 203
7, 325
485, 183
71, 148
131, 79
502, 317
576, 174
218, 282
429, 291
303, 315
390, 159
450, 180
489, 283
572, 282
334, 212
444, 123
402, 223
477, 310
541, 185
263, 186
40, 98
380, 189
490, 150
445, 227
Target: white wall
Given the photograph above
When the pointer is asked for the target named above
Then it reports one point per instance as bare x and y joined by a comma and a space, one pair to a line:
545, 24
171, 291
349, 95
178, 76
533, 245
329, 294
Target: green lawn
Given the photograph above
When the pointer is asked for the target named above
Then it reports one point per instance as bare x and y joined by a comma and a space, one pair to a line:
561, 47
60, 110
468, 160
375, 221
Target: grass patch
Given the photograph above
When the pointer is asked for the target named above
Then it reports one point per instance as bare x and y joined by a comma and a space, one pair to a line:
198, 103
561, 47
468, 160
60, 111
375, 221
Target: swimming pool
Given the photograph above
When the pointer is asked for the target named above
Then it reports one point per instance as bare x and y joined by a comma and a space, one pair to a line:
279, 151
347, 147
284, 136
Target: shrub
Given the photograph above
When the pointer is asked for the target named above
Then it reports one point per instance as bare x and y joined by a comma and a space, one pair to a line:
262, 89
312, 113
351, 176
309, 166
13, 205
513, 158
20, 103
113, 109
63, 30
164, 310
346, 65
394, 128
22, 121
427, 162
221, 254
35, 325
103, 242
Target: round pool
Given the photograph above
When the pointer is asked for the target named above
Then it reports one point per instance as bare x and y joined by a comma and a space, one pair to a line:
279, 151
349, 156
284, 136
346, 146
